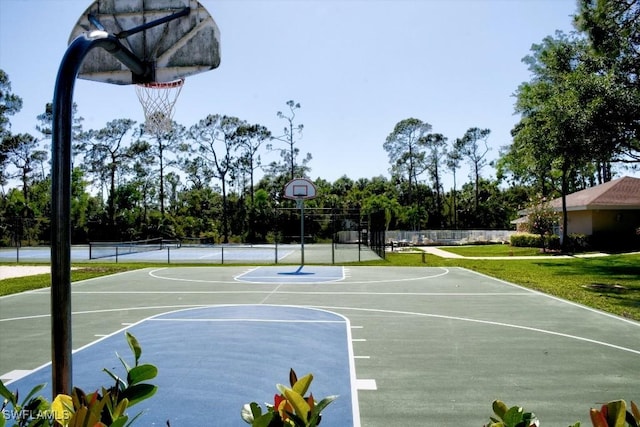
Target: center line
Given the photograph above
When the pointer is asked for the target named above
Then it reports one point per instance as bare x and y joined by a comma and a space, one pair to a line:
271, 293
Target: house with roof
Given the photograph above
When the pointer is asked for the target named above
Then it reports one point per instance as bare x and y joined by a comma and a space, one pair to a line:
607, 210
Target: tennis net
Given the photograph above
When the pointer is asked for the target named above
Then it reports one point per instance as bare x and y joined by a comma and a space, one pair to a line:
115, 249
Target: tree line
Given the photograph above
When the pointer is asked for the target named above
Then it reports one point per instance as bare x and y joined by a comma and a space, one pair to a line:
578, 121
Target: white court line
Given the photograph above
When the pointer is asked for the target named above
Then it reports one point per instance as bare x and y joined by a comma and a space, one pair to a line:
246, 320
408, 279
47, 290
290, 275
269, 294
110, 310
366, 384
119, 331
486, 322
247, 271
210, 255
154, 274
14, 375
428, 294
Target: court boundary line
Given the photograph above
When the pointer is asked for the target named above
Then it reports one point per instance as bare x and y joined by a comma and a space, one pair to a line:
247, 320
77, 283
435, 294
408, 313
485, 322
108, 310
153, 274
559, 299
100, 339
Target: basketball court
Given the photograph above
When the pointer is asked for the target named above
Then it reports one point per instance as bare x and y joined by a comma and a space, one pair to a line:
401, 346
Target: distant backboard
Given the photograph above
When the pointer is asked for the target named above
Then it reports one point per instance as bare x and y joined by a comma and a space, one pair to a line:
176, 49
300, 189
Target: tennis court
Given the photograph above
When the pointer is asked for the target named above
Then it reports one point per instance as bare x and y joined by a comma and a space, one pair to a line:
410, 346
173, 253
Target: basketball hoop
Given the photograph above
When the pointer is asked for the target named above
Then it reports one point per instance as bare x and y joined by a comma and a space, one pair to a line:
158, 100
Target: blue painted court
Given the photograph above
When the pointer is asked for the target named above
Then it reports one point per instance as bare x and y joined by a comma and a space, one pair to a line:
295, 274
216, 358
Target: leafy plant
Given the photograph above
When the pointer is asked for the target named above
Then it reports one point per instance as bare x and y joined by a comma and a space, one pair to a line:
511, 417
31, 412
290, 407
528, 240
615, 414
542, 218
612, 414
106, 408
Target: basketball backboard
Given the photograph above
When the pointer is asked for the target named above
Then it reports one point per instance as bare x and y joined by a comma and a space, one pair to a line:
186, 44
300, 189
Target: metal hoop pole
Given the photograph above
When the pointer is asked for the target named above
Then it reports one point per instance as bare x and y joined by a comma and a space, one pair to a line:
61, 195
301, 203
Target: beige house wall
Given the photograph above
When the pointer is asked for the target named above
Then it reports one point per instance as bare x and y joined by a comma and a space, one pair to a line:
597, 221
588, 222
580, 222
616, 221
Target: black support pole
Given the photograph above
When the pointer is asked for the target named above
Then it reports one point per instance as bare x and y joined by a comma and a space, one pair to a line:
61, 196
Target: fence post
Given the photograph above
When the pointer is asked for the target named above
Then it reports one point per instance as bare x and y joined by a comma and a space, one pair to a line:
222, 254
333, 251
168, 254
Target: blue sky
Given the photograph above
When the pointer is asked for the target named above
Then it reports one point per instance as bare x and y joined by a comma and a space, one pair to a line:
357, 67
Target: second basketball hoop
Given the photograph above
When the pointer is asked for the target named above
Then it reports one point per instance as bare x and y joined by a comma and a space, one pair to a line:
300, 189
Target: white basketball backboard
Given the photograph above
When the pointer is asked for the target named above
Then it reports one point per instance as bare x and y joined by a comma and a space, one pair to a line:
300, 189
175, 49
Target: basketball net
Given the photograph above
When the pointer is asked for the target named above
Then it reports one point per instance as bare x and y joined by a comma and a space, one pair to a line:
158, 100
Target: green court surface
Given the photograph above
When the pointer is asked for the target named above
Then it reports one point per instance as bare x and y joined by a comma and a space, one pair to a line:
430, 346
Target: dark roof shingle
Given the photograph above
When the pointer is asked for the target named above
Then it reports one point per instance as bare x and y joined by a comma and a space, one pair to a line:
622, 193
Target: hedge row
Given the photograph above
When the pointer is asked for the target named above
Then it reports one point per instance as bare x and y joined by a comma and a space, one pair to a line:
527, 240
576, 242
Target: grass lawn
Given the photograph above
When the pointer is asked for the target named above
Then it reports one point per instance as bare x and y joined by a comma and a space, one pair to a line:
493, 250
610, 283
84, 272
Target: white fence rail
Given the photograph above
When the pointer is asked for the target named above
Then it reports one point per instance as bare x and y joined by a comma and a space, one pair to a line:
447, 237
